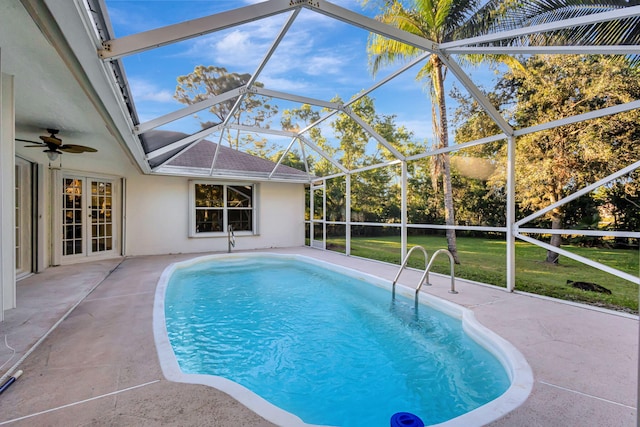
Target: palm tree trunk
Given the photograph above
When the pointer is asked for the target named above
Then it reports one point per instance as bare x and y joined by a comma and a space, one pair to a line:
443, 136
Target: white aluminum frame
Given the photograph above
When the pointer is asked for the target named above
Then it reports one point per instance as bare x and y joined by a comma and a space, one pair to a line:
118, 48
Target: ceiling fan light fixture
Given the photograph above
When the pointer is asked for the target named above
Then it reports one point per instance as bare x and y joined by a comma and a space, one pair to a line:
52, 154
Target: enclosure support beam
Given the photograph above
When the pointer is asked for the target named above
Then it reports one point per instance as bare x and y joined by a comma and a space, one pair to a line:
311, 212
323, 153
365, 92
196, 137
140, 42
511, 213
477, 94
324, 214
189, 110
583, 191
263, 63
293, 140
613, 271
403, 214
371, 131
347, 213
369, 24
215, 154
545, 50
613, 15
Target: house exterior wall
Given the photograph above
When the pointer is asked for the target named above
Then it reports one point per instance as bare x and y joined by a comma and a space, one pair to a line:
7, 201
109, 162
156, 208
157, 218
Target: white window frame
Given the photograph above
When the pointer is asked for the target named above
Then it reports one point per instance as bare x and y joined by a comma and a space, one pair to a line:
225, 209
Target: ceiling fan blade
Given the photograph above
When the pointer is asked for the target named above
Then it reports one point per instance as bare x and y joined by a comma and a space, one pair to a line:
70, 150
30, 142
73, 148
34, 146
51, 140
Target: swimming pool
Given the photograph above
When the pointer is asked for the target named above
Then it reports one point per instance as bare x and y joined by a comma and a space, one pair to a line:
223, 327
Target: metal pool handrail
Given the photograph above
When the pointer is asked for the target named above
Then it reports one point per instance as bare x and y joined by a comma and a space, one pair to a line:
425, 276
404, 264
231, 238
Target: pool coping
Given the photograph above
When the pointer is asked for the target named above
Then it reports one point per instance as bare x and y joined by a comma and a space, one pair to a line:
516, 366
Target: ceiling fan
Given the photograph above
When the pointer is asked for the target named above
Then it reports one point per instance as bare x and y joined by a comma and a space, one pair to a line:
55, 146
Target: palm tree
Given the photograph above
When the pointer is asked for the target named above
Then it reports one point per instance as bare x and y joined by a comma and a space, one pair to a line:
433, 21
446, 20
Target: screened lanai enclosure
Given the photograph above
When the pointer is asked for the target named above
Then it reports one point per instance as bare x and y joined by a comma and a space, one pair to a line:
403, 125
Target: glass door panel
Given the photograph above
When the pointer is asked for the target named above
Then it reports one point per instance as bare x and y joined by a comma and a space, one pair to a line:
101, 216
23, 218
72, 215
318, 227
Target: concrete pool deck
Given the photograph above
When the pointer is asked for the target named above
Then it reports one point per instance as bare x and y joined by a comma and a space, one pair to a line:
99, 366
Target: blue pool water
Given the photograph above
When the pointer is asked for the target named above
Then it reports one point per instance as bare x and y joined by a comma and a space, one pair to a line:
329, 348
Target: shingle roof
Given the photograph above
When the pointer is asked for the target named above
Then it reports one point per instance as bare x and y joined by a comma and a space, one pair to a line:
201, 156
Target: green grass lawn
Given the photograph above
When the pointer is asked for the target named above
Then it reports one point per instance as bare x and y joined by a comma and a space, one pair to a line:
483, 260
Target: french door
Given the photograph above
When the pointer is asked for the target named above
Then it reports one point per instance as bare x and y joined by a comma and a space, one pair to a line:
24, 224
88, 226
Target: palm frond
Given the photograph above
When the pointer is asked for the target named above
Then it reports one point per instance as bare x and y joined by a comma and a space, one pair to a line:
500, 15
427, 9
383, 52
450, 14
492, 60
442, 14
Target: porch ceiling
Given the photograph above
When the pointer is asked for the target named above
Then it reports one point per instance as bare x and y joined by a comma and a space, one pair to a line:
46, 94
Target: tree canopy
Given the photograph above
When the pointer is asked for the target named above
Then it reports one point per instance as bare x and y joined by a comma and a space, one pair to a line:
208, 81
554, 163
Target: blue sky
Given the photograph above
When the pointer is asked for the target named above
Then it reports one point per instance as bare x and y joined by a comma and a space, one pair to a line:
319, 57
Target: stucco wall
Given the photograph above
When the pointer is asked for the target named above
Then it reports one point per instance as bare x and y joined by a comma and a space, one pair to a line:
157, 218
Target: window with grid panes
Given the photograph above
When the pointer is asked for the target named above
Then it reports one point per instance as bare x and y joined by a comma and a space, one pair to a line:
218, 206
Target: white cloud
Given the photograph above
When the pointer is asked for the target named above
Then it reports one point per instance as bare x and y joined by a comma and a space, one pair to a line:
283, 84
144, 90
242, 46
323, 65
303, 61
235, 47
